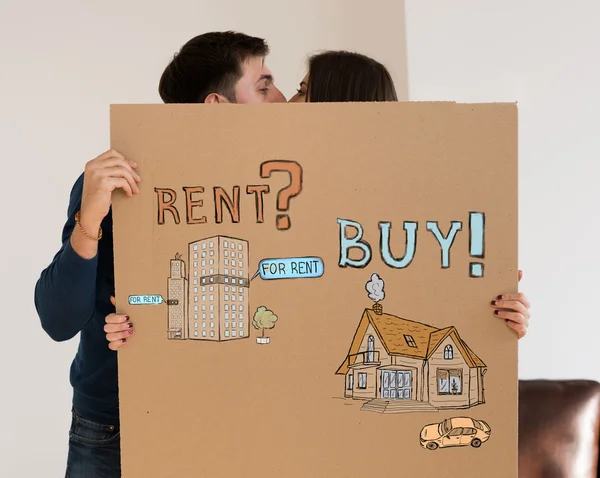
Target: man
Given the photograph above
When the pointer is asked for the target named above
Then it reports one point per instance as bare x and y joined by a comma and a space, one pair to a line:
74, 293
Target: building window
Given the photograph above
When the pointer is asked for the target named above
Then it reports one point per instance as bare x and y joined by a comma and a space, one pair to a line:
204, 245
226, 296
226, 262
241, 272
204, 333
212, 333
448, 352
410, 341
226, 324
226, 315
241, 306
241, 299
203, 307
449, 382
195, 290
195, 281
232, 246
204, 324
212, 244
226, 333
195, 264
204, 316
212, 288
212, 325
195, 255
203, 262
241, 333
195, 298
204, 255
204, 288
241, 326
196, 316
195, 247
350, 385
212, 279
196, 325
226, 280
232, 280
225, 244
203, 298
212, 253
233, 316
212, 297
212, 307
204, 281
232, 306
233, 297
226, 270
362, 380
195, 308
240, 256
239, 247
226, 306
195, 333
232, 263
212, 271
212, 316
232, 288
195, 273
203, 272
226, 253
212, 261
233, 333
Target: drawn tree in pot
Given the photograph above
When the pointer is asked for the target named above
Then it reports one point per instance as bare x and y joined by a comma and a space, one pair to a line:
263, 319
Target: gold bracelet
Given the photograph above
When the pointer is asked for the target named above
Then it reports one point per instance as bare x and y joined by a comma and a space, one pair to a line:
83, 230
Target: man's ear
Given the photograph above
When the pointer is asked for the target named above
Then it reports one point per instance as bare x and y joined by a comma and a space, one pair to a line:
215, 98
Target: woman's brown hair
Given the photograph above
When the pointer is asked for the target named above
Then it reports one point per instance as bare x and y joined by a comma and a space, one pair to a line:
340, 76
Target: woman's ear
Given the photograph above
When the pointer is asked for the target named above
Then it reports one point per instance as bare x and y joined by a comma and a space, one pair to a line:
215, 98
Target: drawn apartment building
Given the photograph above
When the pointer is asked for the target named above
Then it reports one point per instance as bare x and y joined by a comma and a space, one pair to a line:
177, 284
216, 306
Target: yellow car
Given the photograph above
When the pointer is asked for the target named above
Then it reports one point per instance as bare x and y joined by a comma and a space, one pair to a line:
458, 431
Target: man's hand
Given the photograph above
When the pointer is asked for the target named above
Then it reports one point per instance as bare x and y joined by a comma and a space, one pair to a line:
514, 309
102, 176
118, 328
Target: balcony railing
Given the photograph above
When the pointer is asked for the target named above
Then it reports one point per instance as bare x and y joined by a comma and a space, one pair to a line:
364, 358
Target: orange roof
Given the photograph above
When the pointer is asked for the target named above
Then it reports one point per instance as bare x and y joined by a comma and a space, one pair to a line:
391, 331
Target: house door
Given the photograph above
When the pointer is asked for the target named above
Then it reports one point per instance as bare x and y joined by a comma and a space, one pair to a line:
396, 384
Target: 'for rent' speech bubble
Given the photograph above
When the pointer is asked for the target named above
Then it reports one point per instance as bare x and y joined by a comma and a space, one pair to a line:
290, 268
146, 299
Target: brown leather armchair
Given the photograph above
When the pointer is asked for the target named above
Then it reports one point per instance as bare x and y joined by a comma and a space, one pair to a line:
559, 428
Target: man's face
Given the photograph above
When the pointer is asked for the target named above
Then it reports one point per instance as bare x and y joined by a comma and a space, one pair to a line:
256, 84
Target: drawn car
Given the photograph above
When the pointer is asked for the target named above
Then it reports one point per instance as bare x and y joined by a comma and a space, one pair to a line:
458, 431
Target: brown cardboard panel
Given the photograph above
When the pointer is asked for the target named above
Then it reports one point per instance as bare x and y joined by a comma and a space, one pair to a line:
335, 355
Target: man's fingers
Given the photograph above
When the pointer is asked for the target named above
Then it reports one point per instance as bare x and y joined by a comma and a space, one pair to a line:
518, 297
113, 300
111, 153
520, 329
118, 183
124, 173
112, 162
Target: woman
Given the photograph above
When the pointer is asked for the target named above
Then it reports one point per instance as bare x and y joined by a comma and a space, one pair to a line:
342, 76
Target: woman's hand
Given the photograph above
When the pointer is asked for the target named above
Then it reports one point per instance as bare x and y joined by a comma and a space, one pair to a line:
514, 310
118, 329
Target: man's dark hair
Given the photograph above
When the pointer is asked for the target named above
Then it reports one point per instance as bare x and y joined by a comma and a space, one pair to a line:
340, 76
209, 63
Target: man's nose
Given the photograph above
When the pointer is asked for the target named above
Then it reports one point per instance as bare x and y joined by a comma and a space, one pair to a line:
278, 96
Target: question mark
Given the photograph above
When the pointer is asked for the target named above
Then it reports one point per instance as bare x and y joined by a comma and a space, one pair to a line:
292, 190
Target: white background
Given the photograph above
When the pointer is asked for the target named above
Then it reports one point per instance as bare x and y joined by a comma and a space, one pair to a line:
63, 62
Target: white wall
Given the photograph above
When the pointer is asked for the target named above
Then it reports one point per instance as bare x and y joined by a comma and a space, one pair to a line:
58, 76
544, 55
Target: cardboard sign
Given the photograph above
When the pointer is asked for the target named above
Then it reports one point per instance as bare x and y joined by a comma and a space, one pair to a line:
311, 288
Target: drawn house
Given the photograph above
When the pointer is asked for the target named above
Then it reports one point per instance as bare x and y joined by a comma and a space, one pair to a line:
397, 365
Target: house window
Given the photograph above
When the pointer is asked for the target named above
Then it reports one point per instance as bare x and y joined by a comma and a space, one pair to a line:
350, 385
410, 341
448, 352
362, 380
449, 382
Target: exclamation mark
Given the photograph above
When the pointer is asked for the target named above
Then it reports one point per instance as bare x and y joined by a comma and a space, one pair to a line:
476, 242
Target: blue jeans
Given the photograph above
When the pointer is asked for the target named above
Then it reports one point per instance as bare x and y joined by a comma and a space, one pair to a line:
94, 450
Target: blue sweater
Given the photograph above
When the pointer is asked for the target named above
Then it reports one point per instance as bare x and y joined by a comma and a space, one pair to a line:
72, 296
